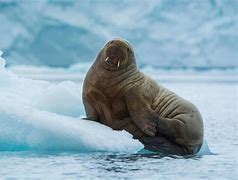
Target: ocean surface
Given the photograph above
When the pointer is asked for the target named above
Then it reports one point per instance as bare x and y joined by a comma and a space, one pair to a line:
42, 135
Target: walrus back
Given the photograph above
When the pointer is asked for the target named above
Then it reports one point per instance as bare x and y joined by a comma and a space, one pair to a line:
169, 105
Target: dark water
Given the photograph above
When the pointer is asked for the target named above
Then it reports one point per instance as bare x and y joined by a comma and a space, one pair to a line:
21, 165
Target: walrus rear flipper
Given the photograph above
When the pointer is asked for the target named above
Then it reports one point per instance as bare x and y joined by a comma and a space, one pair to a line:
163, 145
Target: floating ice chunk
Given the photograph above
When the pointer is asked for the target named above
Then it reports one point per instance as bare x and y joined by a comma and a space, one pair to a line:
39, 115
25, 128
205, 150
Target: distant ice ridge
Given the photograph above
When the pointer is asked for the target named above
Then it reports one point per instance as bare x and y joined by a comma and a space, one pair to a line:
77, 72
38, 115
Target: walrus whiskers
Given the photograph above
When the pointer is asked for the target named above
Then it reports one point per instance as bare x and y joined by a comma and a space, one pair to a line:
106, 59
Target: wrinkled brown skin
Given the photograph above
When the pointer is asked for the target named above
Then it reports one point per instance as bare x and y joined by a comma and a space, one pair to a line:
124, 98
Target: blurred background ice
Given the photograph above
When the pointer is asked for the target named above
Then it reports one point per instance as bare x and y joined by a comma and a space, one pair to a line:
200, 34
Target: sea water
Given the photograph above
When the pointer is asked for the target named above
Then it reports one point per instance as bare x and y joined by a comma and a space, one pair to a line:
42, 135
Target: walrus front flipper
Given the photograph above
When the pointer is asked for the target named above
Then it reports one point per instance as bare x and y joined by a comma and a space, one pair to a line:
163, 145
90, 111
141, 114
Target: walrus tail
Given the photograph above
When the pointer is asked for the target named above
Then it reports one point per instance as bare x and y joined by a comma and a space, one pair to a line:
163, 145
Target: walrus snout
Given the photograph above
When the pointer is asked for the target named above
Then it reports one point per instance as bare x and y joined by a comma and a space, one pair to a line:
115, 54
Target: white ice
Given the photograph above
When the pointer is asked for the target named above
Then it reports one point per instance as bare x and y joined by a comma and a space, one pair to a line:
39, 115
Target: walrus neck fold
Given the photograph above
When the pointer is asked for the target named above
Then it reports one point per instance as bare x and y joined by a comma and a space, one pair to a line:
121, 82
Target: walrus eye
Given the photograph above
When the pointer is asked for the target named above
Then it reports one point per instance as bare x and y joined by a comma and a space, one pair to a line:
128, 49
111, 42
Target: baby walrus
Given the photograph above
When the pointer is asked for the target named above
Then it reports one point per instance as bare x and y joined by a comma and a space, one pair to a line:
117, 94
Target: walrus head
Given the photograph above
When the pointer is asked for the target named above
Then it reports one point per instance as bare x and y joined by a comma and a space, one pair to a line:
117, 54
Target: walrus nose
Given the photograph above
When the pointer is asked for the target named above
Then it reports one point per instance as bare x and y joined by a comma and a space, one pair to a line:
114, 59
112, 56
